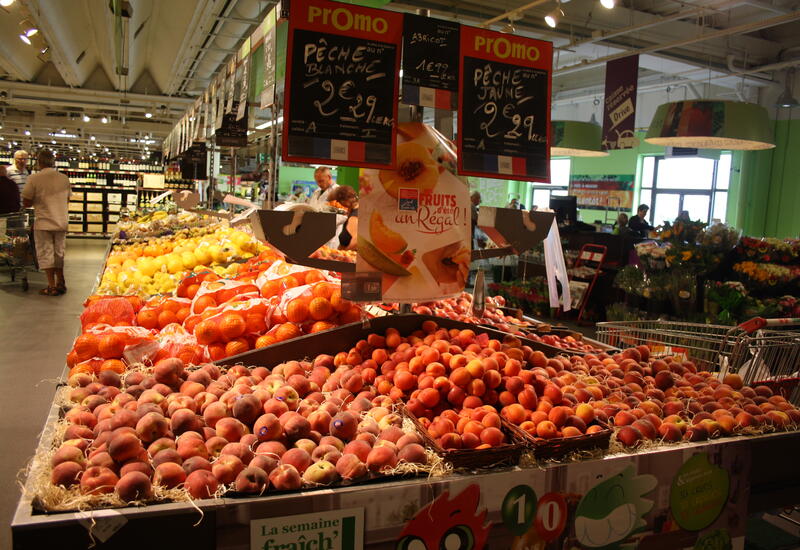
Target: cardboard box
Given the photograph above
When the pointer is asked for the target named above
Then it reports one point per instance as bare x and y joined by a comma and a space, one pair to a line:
76, 196
114, 198
76, 206
94, 207
75, 227
76, 217
113, 217
114, 207
95, 197
94, 228
98, 218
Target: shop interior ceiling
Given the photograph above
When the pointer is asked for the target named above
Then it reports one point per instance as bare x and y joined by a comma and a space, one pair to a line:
158, 56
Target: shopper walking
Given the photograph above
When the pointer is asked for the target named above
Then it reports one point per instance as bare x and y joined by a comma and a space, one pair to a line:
638, 225
19, 172
9, 193
47, 191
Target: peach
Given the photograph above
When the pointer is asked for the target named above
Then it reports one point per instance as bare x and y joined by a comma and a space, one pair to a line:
160, 445
169, 371
558, 415
252, 480
215, 444
68, 453
240, 450
414, 453
451, 441
134, 486
344, 425
350, 466
231, 429
320, 421
546, 429
123, 417
294, 425
629, 436
492, 437
321, 473
285, 478
267, 427
191, 446
331, 440
392, 433
646, 428
169, 475
166, 455
66, 474
275, 406
624, 418
226, 468
298, 458
201, 484
266, 462
124, 446
196, 463
514, 413
585, 412
151, 426
571, 431
98, 480
381, 458
360, 449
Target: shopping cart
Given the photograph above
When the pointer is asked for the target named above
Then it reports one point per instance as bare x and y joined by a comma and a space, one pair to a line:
761, 351
16, 246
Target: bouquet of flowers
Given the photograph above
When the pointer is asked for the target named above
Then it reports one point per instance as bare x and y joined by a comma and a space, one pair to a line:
681, 231
766, 275
630, 279
719, 237
652, 255
727, 298
692, 257
769, 250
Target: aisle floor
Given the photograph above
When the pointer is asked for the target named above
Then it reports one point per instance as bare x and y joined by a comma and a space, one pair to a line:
36, 332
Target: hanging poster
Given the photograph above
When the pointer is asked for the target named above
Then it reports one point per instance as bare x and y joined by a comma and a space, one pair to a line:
504, 106
233, 132
619, 108
342, 84
604, 192
230, 86
414, 229
430, 62
219, 104
268, 93
244, 82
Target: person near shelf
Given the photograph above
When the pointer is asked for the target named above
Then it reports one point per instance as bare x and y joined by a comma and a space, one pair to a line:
515, 204
9, 193
683, 217
348, 234
638, 225
47, 191
325, 184
19, 172
621, 225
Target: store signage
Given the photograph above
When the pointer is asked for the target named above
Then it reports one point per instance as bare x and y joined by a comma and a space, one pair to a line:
619, 110
414, 225
268, 93
603, 192
342, 84
430, 62
504, 106
233, 132
243, 78
337, 530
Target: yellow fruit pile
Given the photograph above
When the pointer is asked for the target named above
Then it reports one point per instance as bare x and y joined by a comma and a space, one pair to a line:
158, 265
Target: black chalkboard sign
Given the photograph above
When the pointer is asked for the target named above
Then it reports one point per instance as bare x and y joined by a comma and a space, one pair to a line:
504, 106
232, 133
193, 162
341, 104
430, 62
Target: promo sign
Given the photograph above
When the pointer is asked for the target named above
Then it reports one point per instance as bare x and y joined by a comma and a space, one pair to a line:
504, 106
337, 530
342, 84
619, 110
430, 62
268, 93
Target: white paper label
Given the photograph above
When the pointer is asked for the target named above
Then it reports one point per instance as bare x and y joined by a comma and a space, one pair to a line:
102, 524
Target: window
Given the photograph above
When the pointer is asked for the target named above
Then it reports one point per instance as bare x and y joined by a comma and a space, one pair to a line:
696, 185
539, 194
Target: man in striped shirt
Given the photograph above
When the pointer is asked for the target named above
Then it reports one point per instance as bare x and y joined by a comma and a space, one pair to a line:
19, 172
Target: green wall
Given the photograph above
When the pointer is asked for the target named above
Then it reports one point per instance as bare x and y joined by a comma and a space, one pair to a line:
769, 199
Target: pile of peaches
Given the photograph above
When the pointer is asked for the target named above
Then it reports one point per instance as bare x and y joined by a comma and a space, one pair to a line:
313, 423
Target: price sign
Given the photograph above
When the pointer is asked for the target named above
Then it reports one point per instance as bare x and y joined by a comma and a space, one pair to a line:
342, 79
551, 516
430, 62
504, 106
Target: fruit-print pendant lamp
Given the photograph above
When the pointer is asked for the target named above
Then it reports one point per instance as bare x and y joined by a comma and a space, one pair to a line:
711, 124
572, 138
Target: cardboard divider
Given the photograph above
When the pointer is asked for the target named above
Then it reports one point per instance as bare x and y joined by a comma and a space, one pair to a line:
518, 229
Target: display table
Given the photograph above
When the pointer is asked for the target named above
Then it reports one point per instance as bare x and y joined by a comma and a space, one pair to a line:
760, 473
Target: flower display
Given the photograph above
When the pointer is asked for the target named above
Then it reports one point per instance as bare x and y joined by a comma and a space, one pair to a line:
767, 274
769, 250
720, 237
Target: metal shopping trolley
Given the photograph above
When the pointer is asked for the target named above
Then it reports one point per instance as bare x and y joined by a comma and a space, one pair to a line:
16, 246
761, 351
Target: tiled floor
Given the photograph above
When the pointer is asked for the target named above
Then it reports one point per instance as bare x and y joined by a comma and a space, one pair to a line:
36, 332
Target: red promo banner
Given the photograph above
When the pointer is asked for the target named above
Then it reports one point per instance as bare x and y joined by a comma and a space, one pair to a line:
619, 108
504, 106
342, 81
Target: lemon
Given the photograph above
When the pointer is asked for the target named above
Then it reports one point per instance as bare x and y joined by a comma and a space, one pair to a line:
174, 264
188, 259
203, 256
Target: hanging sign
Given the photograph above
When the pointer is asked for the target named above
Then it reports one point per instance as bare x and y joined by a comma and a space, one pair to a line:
619, 109
230, 86
609, 192
268, 93
414, 222
342, 84
430, 62
219, 104
244, 80
504, 106
233, 132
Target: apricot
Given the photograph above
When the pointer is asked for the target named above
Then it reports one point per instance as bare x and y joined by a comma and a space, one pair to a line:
98, 480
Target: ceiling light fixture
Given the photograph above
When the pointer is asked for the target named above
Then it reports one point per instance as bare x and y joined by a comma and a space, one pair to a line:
554, 16
6, 3
104, 120
786, 99
573, 138
92, 138
27, 132
28, 28
25, 39
63, 130
87, 118
711, 124
148, 114
608, 4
